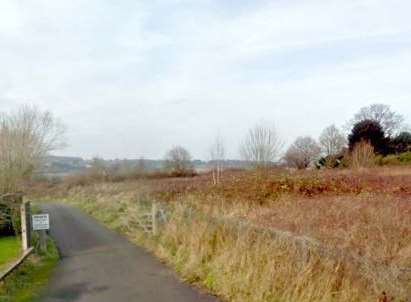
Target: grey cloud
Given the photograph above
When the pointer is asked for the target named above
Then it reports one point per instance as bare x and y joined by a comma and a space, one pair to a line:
132, 78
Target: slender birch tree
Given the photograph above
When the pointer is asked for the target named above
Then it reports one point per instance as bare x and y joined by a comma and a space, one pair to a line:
217, 156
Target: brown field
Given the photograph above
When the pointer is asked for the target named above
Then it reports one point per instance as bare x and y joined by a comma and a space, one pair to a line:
365, 214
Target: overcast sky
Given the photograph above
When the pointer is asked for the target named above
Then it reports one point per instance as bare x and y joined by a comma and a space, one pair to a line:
131, 78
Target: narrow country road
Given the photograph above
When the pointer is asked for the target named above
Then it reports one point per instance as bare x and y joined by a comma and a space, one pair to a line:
98, 265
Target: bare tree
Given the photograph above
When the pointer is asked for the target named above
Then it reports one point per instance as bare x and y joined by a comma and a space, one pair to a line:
391, 121
178, 161
98, 168
303, 152
217, 154
261, 146
27, 136
332, 141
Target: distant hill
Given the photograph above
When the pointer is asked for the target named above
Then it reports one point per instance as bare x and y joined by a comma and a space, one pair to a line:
65, 165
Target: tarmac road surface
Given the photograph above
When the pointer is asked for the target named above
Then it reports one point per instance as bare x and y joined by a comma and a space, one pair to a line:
98, 265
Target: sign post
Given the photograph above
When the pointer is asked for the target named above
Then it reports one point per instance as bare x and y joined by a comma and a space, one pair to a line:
41, 223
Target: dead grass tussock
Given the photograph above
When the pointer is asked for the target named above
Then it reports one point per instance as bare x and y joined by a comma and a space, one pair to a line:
250, 266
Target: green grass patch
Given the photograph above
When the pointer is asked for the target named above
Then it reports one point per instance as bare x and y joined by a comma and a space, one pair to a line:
10, 250
27, 282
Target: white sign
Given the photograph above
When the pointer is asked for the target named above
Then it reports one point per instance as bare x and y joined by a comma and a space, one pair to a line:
41, 222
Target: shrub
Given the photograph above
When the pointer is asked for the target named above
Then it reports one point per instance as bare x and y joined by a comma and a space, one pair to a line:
394, 160
401, 143
405, 158
10, 214
6, 226
178, 162
389, 160
303, 152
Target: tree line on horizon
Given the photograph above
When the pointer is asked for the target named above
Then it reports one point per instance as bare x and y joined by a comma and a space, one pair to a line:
375, 130
28, 135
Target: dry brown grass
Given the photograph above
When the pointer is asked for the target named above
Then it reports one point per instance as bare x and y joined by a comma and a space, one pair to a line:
365, 214
237, 264
377, 227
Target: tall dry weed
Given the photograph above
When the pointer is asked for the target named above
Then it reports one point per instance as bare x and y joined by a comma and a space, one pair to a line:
363, 156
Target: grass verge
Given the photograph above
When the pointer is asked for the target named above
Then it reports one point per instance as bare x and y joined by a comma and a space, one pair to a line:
9, 250
26, 283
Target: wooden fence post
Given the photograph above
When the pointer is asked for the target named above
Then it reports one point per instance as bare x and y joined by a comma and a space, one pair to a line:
154, 218
25, 225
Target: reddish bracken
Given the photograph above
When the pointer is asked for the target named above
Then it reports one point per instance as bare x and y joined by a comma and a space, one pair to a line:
367, 212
